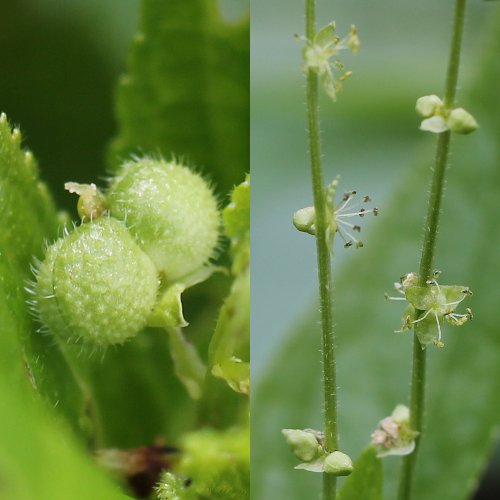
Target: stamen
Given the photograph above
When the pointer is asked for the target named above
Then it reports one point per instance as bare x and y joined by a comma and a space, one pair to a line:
352, 226
423, 316
345, 200
454, 303
341, 233
389, 297
434, 282
352, 239
361, 213
439, 328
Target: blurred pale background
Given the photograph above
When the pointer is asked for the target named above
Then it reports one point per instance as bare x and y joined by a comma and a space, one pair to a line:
370, 135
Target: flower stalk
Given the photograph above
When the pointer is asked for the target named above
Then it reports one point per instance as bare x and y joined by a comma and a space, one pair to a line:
324, 266
417, 397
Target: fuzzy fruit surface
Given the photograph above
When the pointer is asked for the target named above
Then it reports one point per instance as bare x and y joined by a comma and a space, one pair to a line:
96, 285
170, 210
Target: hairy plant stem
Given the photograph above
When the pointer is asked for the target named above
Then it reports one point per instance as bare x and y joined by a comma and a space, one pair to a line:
417, 393
324, 263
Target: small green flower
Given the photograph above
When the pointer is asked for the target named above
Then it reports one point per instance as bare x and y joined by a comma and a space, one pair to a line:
338, 216
394, 435
435, 302
319, 56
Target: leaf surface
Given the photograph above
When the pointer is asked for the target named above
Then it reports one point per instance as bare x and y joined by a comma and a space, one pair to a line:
34, 375
186, 92
366, 479
229, 354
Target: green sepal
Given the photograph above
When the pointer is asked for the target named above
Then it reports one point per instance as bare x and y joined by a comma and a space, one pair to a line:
407, 319
326, 36
436, 297
235, 372
427, 330
168, 311
314, 466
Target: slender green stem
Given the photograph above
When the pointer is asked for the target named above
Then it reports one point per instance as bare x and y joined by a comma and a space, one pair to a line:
324, 266
417, 398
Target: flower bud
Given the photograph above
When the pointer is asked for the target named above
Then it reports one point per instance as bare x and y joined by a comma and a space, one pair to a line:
428, 105
461, 122
401, 414
304, 220
338, 464
303, 443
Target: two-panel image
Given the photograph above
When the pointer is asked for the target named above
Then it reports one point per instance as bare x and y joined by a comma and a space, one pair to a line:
248, 250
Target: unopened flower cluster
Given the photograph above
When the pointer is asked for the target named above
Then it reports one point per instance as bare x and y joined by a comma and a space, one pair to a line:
308, 445
439, 119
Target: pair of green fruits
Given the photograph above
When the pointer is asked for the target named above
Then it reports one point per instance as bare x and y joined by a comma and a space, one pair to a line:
157, 226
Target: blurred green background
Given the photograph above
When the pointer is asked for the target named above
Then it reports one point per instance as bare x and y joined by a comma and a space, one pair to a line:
370, 135
60, 63
371, 138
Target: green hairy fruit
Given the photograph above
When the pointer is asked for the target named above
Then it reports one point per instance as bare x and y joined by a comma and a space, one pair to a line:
96, 285
170, 210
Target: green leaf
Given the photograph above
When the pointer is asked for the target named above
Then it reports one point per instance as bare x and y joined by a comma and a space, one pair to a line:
33, 445
34, 439
28, 219
366, 480
236, 218
463, 389
187, 89
229, 354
